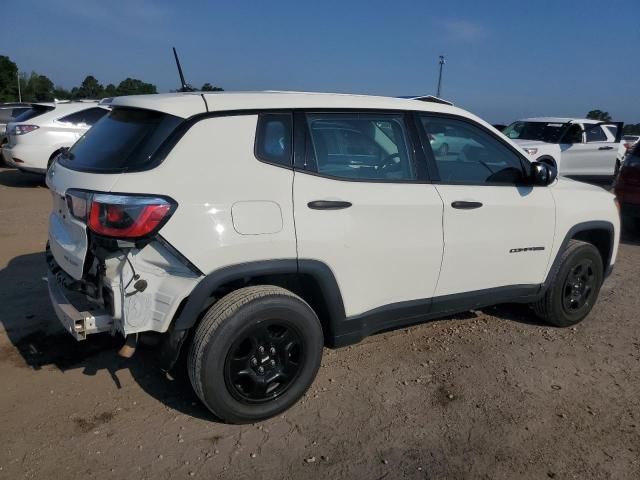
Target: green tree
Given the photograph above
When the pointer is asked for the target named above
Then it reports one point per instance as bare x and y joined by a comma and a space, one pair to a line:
133, 86
8, 80
110, 90
599, 115
61, 93
90, 88
38, 88
631, 129
207, 87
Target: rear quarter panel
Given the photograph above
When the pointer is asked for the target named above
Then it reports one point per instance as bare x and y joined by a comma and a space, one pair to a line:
212, 174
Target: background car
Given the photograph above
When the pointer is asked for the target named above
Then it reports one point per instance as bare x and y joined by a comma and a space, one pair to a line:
627, 189
8, 112
449, 141
43, 131
626, 144
578, 147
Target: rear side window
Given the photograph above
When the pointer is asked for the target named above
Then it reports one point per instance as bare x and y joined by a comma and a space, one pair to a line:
467, 154
123, 140
274, 139
85, 117
360, 146
33, 112
595, 134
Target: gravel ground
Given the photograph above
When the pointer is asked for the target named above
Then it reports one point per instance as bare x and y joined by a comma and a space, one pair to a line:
485, 394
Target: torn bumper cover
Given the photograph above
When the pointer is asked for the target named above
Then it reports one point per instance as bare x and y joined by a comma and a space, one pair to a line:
113, 302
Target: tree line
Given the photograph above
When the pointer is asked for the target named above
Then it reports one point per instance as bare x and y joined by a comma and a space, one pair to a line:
39, 88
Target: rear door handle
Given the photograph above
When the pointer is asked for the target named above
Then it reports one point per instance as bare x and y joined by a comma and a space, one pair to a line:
466, 205
328, 205
605, 148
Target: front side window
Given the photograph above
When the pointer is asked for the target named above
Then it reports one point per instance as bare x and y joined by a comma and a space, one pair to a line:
572, 135
465, 153
274, 138
360, 146
595, 134
86, 117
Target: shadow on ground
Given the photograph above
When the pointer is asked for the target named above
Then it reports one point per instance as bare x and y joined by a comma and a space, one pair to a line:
17, 179
629, 237
35, 334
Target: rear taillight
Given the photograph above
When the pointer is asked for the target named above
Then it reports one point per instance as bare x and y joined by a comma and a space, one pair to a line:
120, 216
22, 129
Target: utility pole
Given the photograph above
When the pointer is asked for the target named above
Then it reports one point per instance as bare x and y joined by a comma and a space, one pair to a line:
19, 93
441, 61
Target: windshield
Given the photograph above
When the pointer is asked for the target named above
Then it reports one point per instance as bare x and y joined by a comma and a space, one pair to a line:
124, 140
542, 131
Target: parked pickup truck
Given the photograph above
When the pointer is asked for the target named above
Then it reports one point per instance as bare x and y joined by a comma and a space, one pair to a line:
578, 147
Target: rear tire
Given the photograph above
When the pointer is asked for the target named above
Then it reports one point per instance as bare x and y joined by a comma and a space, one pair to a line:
574, 286
255, 353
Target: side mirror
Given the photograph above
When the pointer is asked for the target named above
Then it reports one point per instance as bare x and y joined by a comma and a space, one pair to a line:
543, 174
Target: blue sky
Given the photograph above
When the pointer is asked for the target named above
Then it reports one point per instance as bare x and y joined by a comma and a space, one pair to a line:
505, 59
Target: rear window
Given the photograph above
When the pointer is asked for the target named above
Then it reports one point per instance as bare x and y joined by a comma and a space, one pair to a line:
85, 117
33, 112
126, 139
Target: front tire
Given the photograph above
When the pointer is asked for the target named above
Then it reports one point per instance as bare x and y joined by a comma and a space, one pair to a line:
255, 353
574, 286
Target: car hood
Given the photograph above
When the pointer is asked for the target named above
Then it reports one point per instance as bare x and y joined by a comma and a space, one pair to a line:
564, 183
529, 143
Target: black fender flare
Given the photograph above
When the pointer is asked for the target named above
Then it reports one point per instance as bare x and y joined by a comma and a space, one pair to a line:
199, 299
583, 227
319, 271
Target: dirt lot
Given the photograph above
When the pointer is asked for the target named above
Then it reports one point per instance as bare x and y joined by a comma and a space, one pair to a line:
487, 394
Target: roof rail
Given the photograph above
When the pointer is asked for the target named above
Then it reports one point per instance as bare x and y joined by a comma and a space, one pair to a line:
429, 98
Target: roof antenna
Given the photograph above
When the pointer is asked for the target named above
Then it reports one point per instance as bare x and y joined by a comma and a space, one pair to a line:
185, 87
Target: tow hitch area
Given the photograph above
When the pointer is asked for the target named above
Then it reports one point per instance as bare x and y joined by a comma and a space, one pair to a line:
79, 324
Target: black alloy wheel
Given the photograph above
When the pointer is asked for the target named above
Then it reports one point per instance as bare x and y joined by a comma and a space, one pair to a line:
579, 286
263, 364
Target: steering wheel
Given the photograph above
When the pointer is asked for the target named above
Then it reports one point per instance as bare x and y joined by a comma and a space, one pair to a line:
389, 161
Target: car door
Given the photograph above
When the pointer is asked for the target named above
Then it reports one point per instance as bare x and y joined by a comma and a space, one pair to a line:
573, 150
362, 206
498, 231
590, 152
600, 158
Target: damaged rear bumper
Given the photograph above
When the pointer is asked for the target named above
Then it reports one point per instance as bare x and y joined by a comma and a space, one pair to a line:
107, 299
77, 323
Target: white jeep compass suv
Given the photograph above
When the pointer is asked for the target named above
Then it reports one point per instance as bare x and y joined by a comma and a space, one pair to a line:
252, 229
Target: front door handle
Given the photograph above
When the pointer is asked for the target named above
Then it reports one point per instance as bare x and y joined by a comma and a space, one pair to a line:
328, 205
605, 148
462, 205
